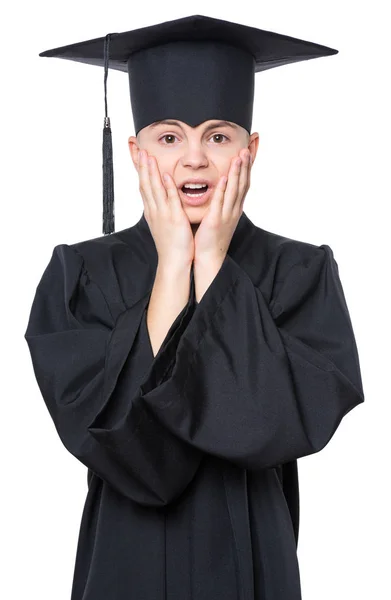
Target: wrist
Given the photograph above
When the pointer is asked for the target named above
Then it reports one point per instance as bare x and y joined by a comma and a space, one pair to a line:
173, 268
208, 260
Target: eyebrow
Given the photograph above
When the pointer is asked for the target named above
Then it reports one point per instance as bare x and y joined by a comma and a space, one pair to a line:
210, 126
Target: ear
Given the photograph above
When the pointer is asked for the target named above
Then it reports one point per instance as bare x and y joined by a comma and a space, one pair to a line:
133, 149
253, 145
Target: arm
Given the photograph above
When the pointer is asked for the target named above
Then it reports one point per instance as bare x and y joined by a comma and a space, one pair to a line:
169, 296
263, 385
89, 365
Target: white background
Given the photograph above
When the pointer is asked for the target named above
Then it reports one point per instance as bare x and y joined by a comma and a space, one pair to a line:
321, 175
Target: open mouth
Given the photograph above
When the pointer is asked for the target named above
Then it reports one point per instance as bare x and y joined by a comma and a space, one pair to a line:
194, 192
196, 196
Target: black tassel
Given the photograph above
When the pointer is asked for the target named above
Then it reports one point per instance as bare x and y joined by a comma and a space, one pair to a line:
107, 150
108, 179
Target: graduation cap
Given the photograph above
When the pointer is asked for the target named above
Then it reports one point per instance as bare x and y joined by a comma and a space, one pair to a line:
192, 69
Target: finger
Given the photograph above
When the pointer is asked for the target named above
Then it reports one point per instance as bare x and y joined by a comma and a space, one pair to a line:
217, 202
144, 182
232, 185
250, 164
173, 198
244, 181
158, 190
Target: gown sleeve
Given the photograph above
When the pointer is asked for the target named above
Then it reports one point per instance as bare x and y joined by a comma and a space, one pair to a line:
88, 366
258, 384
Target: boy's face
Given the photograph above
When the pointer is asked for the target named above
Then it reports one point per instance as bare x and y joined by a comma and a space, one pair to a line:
185, 152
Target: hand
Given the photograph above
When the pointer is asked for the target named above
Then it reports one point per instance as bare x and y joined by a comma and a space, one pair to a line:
168, 222
217, 227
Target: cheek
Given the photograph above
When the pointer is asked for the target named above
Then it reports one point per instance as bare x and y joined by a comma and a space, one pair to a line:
165, 164
223, 165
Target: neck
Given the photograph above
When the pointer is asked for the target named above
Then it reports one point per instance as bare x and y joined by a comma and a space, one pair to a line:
194, 227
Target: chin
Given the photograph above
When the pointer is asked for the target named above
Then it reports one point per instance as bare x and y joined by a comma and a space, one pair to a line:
195, 213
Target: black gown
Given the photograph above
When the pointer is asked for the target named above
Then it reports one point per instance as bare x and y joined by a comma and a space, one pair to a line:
192, 454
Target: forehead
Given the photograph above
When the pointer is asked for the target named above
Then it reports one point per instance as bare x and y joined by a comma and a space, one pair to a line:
204, 126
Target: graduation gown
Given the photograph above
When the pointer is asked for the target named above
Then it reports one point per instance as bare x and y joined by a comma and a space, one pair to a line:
192, 454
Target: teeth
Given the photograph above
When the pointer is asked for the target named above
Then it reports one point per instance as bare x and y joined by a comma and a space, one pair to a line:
194, 186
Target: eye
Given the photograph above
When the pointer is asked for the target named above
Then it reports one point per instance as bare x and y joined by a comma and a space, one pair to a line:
168, 135
172, 136
219, 135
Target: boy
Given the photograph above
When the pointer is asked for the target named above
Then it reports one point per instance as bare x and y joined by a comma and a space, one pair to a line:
193, 154
191, 436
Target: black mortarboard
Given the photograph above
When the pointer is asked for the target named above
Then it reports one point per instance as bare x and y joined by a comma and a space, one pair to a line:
192, 69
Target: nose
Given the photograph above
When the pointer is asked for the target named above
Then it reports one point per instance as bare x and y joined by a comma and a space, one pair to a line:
194, 157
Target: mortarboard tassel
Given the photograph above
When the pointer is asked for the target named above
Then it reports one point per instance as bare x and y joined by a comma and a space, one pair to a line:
107, 148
